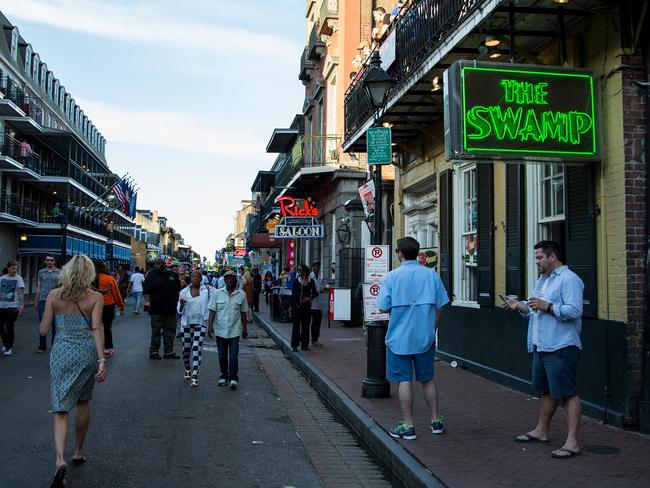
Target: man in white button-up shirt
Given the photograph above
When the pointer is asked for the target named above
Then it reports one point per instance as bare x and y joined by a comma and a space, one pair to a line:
229, 306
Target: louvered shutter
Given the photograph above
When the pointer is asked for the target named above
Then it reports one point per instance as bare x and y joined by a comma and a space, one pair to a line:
485, 233
446, 229
581, 231
515, 235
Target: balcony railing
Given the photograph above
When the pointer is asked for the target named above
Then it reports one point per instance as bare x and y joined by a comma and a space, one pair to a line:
21, 152
120, 236
78, 219
320, 150
76, 173
421, 29
16, 94
11, 204
329, 10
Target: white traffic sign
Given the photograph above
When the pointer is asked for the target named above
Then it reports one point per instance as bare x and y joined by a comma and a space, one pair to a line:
376, 263
371, 311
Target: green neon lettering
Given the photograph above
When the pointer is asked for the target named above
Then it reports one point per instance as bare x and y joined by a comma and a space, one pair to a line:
554, 126
505, 122
508, 86
579, 123
540, 93
530, 127
476, 119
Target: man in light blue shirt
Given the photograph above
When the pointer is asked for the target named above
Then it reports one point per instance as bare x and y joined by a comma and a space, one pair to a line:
414, 296
554, 314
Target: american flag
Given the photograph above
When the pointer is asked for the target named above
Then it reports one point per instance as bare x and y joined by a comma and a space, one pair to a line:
119, 191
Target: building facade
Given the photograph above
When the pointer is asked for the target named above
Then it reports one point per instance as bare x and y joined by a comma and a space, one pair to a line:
55, 180
479, 217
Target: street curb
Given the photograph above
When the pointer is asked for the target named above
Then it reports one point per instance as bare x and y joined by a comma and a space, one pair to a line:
401, 462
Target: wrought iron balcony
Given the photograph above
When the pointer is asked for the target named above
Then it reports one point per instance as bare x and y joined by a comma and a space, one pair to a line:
328, 17
77, 218
12, 205
20, 152
419, 31
306, 67
17, 96
69, 170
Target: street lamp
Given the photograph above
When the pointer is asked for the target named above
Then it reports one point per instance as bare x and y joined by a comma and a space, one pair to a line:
376, 84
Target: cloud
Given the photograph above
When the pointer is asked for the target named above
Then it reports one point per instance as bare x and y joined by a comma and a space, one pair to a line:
148, 22
174, 130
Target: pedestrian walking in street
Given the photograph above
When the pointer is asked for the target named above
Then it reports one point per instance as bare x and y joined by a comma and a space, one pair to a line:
414, 296
47, 280
109, 289
135, 287
12, 305
257, 289
316, 311
161, 289
248, 287
304, 291
554, 314
77, 358
193, 306
229, 306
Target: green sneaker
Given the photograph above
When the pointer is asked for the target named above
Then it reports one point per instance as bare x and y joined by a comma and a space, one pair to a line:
436, 426
403, 431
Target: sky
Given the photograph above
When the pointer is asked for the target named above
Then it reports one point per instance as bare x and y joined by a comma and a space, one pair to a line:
186, 93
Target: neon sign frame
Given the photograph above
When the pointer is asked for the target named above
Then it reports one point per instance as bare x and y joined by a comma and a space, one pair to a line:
528, 112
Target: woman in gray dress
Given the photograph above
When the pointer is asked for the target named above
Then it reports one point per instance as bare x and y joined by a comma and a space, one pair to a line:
77, 358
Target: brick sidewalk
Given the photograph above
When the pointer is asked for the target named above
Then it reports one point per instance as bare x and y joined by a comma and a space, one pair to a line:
481, 420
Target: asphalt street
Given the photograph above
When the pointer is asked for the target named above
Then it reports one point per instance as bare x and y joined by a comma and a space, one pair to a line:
149, 428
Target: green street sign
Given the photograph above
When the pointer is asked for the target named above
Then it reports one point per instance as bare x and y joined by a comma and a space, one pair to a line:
378, 145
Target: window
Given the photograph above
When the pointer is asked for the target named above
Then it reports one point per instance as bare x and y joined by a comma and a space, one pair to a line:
545, 209
28, 60
48, 82
465, 240
14, 43
49, 120
36, 64
43, 75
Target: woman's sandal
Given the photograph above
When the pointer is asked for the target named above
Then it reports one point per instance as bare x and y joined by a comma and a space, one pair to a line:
59, 478
79, 461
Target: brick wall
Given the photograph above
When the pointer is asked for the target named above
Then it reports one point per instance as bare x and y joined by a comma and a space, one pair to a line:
366, 20
634, 127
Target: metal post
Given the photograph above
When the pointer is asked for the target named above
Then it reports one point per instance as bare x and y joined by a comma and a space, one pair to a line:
563, 48
375, 384
64, 243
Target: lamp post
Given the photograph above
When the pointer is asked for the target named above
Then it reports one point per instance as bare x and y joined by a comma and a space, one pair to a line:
376, 85
63, 222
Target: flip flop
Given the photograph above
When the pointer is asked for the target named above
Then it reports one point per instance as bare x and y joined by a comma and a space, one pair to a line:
529, 438
569, 453
79, 461
59, 478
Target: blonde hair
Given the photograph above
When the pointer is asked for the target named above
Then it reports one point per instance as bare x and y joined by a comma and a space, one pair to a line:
248, 276
76, 277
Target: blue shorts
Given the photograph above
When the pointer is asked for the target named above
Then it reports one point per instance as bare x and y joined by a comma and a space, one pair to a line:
399, 367
555, 372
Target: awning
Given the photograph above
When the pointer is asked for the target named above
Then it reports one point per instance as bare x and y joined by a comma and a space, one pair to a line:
282, 140
261, 240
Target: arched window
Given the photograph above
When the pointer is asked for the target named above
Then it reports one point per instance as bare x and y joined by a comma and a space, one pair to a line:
36, 64
14, 43
28, 60
43, 75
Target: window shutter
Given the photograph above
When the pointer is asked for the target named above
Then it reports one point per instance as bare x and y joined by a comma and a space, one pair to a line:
515, 202
446, 229
485, 233
581, 231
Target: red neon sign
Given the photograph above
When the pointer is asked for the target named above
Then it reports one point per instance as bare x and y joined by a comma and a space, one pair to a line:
289, 208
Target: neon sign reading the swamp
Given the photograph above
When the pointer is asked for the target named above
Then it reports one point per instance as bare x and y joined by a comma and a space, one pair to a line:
520, 111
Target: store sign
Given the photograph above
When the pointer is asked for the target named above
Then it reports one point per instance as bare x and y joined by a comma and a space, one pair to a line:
290, 207
525, 112
298, 220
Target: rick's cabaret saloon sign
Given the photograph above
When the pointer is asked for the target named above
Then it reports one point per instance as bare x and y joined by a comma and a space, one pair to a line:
521, 112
